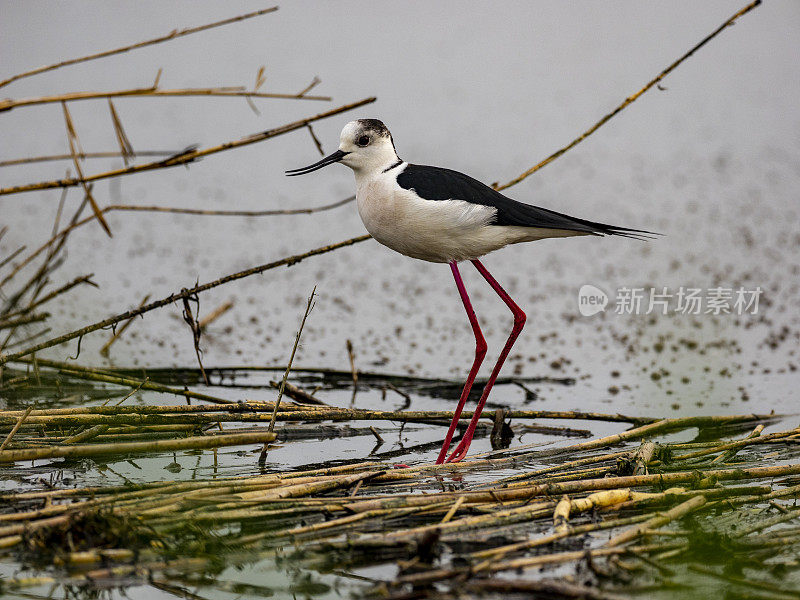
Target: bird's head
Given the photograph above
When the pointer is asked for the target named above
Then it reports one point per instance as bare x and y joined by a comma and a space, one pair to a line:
365, 145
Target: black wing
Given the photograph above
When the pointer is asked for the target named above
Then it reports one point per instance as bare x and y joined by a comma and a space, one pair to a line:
436, 183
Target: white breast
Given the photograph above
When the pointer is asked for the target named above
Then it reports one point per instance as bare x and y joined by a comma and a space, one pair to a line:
432, 230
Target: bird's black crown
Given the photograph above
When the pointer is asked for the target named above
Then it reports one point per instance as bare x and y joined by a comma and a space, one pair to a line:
375, 127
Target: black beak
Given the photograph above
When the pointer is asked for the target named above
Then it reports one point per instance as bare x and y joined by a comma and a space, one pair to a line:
328, 160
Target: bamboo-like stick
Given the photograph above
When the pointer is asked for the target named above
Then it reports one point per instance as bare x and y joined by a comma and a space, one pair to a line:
561, 515
748, 441
635, 433
531, 562
731, 453
85, 435
16, 427
782, 518
453, 509
295, 413
643, 455
586, 485
662, 519
192, 443
499, 552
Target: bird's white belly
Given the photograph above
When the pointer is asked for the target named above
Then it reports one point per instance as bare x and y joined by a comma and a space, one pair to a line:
432, 230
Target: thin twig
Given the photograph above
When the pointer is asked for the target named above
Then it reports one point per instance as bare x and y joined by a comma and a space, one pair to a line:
60, 236
81, 155
72, 137
214, 315
185, 157
174, 34
115, 335
309, 306
125, 146
57, 292
78, 333
151, 92
630, 99
316, 141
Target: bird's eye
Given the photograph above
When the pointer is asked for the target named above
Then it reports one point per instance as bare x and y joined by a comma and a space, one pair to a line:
363, 140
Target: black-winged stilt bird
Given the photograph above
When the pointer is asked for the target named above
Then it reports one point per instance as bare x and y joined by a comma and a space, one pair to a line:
444, 216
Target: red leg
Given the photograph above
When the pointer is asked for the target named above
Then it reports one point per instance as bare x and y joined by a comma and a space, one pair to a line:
519, 322
480, 353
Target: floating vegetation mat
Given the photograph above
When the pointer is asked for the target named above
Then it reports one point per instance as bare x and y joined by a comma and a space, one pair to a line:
636, 513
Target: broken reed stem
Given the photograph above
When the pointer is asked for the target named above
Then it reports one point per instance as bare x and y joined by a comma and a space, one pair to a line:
732, 452
189, 443
354, 372
13, 255
635, 433
530, 562
734, 446
23, 320
214, 315
187, 156
164, 209
53, 249
297, 394
309, 306
571, 487
78, 333
81, 155
151, 92
491, 555
124, 142
174, 34
229, 411
630, 99
777, 593
254, 407
16, 427
411, 380
662, 519
85, 435
72, 138
102, 376
46, 298
118, 332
